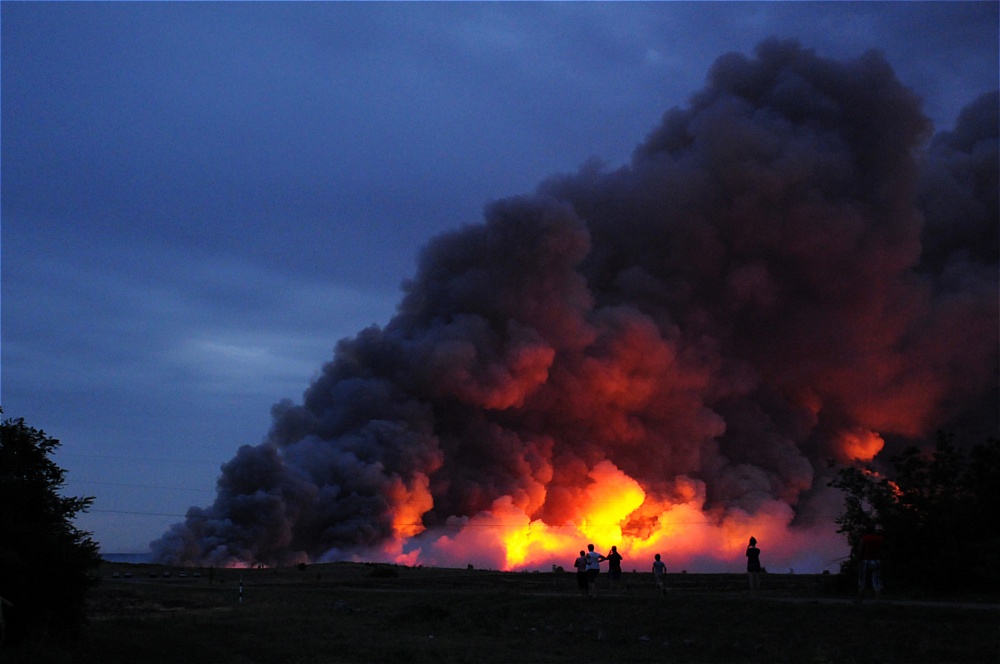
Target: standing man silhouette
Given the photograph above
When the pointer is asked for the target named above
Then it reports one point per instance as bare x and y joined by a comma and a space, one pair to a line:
593, 569
753, 566
870, 564
614, 568
660, 574
581, 573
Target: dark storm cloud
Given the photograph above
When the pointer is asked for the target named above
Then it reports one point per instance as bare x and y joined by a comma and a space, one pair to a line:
962, 190
767, 280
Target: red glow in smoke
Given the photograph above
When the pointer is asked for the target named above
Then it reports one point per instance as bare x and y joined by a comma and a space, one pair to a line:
685, 535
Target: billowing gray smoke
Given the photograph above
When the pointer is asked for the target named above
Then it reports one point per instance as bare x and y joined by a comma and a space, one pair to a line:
790, 270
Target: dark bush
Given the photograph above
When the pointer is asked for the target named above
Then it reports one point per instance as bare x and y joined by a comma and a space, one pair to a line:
47, 565
936, 511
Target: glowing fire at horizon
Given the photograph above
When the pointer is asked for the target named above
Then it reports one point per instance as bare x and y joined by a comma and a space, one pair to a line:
620, 513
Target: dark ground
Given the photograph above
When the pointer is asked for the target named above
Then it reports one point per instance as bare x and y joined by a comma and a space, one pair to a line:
345, 612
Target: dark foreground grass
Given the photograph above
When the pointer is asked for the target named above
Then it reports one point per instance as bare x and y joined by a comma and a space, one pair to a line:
352, 613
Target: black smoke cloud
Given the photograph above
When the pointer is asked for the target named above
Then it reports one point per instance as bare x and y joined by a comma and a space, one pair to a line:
788, 264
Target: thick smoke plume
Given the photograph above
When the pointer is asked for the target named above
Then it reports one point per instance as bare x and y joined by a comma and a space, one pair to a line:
663, 356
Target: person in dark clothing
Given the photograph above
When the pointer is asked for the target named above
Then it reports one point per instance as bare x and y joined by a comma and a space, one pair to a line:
614, 568
870, 564
581, 573
753, 566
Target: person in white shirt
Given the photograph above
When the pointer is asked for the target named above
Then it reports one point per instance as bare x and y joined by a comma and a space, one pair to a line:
594, 560
660, 574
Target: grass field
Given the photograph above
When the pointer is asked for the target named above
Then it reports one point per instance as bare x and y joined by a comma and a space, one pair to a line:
346, 612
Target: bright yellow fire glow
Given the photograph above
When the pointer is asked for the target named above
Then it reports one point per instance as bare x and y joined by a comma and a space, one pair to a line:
613, 497
616, 511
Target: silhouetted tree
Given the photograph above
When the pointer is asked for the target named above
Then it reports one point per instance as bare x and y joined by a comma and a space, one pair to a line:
937, 511
46, 563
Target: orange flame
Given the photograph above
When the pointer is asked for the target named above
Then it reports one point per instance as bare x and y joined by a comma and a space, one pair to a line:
861, 444
619, 511
411, 502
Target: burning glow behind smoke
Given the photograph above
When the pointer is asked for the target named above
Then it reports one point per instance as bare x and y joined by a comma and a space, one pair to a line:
661, 357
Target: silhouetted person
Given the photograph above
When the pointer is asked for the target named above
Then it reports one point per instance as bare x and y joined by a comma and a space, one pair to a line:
593, 569
753, 566
614, 568
870, 564
660, 574
581, 573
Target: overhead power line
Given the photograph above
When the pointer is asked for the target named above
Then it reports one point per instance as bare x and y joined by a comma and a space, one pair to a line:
451, 526
132, 458
142, 486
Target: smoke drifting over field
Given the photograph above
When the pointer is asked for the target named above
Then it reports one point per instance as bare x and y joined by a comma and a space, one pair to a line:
661, 356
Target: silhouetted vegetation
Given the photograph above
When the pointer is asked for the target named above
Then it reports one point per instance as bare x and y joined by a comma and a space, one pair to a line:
46, 563
937, 512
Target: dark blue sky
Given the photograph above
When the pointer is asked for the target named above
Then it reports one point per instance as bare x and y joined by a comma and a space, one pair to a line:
200, 199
